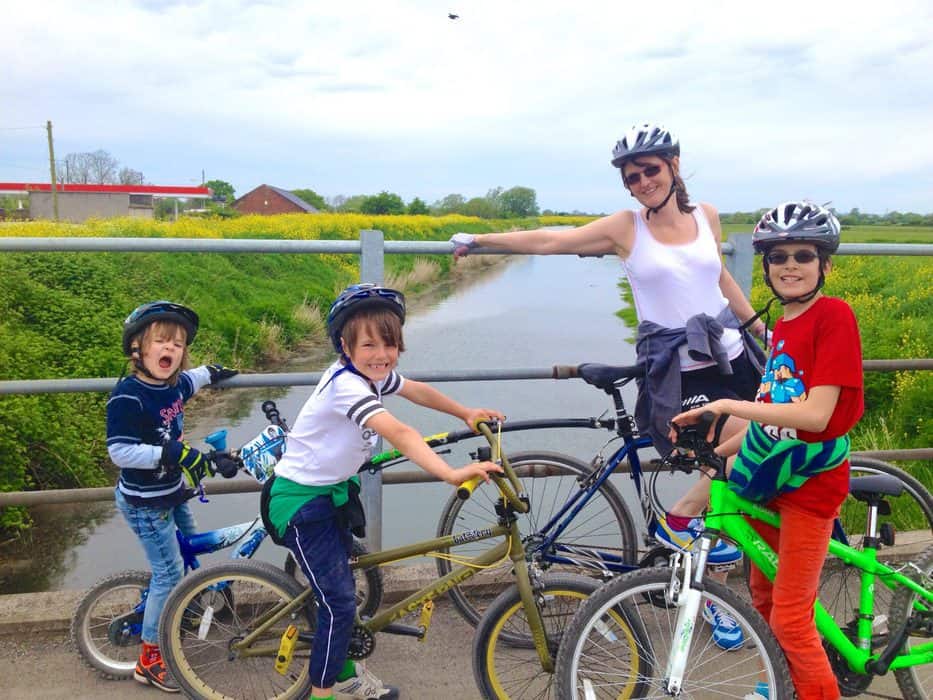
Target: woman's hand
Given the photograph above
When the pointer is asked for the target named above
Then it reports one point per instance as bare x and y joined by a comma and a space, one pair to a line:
463, 244
481, 415
472, 470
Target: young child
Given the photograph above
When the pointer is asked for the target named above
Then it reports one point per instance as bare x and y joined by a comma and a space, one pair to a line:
158, 471
315, 494
794, 456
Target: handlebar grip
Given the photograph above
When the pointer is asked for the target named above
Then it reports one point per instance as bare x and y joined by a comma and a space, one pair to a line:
564, 372
465, 490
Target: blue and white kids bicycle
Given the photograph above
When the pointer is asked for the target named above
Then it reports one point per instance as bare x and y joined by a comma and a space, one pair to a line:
107, 623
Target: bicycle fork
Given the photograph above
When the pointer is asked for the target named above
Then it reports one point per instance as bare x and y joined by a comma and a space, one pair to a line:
687, 597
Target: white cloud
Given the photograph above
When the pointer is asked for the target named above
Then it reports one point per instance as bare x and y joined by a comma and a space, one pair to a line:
362, 96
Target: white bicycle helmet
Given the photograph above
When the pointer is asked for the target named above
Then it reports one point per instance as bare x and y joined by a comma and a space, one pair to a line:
798, 222
644, 140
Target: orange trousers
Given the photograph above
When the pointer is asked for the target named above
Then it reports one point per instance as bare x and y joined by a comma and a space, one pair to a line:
787, 605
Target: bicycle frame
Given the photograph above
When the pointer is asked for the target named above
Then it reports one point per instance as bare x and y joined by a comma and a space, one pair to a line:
512, 547
214, 540
727, 516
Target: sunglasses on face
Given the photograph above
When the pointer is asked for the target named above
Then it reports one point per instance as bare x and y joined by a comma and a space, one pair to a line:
635, 178
801, 257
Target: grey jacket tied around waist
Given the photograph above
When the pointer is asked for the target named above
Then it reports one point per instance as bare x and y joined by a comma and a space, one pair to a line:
657, 349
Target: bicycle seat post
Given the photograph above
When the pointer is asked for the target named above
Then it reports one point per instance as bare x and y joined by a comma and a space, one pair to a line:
624, 422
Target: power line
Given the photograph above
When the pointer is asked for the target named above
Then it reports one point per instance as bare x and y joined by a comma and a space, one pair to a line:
19, 128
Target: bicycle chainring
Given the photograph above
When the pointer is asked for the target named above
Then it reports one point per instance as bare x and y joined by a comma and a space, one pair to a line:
362, 643
850, 682
126, 630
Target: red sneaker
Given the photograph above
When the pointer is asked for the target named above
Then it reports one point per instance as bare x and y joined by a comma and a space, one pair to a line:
150, 670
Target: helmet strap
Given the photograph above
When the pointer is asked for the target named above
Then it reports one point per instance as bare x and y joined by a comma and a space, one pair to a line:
803, 299
655, 210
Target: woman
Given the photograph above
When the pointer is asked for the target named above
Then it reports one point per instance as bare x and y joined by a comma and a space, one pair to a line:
689, 307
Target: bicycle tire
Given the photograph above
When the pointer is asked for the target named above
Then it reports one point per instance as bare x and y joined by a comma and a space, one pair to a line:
840, 583
369, 584
503, 669
102, 628
198, 649
915, 682
587, 656
605, 522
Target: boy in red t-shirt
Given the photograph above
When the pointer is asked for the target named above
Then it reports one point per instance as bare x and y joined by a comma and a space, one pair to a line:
810, 397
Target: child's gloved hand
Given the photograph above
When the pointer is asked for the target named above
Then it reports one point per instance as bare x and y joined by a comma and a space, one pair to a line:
219, 373
463, 244
182, 456
224, 464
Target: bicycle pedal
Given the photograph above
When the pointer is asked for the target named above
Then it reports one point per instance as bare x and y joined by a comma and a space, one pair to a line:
425, 621
286, 648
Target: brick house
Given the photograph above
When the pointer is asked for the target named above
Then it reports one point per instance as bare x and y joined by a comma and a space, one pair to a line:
267, 199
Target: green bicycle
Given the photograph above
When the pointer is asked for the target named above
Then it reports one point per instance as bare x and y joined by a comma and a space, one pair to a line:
658, 609
259, 647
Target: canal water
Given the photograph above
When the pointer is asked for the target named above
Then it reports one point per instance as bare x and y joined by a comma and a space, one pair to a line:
529, 312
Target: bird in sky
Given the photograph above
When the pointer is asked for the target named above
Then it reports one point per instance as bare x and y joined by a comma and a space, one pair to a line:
453, 15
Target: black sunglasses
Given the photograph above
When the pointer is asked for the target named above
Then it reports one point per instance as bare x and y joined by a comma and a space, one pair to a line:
802, 257
635, 178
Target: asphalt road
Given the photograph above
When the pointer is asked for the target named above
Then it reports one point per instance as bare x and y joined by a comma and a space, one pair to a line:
44, 665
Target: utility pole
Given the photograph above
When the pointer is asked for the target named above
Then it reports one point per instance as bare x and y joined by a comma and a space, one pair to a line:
48, 128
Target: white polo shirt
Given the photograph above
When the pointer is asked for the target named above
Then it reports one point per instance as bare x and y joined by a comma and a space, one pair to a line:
329, 440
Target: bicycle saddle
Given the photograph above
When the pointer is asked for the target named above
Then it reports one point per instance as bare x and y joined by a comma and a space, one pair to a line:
871, 488
605, 376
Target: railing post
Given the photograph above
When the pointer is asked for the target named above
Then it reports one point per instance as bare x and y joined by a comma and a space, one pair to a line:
742, 261
372, 269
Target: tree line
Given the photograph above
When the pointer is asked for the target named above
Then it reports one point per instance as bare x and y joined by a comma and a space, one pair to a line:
854, 217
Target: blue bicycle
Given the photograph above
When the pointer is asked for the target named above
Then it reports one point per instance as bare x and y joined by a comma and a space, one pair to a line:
580, 523
107, 623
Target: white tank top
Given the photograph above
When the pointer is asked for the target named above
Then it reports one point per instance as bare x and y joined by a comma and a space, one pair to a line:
671, 283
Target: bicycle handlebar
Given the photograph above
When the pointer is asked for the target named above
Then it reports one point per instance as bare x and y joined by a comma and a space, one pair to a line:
508, 486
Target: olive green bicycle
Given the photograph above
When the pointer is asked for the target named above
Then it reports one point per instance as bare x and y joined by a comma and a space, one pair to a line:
258, 646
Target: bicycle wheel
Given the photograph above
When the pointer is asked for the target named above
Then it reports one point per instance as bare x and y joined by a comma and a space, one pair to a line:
368, 582
549, 479
197, 646
916, 682
504, 669
839, 582
106, 626
595, 658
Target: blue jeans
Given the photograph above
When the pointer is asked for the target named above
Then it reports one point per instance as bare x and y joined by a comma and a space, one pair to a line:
322, 546
155, 528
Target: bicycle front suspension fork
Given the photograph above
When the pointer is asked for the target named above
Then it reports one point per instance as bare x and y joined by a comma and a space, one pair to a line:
686, 595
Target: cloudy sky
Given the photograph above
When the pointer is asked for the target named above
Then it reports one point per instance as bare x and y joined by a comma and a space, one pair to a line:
771, 101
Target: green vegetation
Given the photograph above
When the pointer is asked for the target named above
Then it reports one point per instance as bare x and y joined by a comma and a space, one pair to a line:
61, 316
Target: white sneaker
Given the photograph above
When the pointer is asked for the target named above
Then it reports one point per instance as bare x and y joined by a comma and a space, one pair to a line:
365, 685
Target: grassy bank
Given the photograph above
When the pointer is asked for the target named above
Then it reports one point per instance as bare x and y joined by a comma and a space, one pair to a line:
61, 316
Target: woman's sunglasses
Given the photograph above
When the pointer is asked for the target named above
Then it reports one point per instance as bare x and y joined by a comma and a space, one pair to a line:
801, 257
635, 178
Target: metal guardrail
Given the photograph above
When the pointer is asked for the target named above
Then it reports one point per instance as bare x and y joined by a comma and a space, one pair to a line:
372, 248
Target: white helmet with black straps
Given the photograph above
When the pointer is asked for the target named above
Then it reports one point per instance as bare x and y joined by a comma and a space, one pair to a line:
645, 140
797, 222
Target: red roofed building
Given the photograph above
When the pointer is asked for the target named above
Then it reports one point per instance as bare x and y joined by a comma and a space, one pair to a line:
78, 203
267, 199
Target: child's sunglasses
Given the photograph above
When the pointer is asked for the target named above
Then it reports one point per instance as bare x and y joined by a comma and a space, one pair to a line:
801, 257
635, 178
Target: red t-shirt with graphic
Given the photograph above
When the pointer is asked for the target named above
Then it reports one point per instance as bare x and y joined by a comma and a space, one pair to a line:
821, 347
